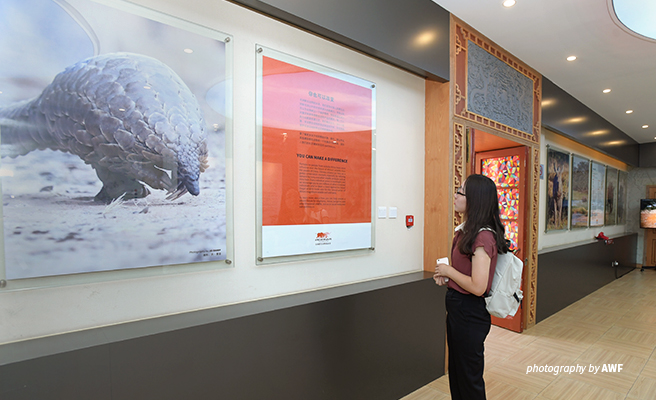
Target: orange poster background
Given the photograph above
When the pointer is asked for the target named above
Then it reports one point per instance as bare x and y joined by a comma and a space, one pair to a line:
316, 147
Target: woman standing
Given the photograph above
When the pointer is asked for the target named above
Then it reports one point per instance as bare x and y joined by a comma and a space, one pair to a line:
473, 258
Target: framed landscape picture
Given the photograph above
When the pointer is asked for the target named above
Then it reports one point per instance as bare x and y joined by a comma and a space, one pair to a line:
580, 191
558, 177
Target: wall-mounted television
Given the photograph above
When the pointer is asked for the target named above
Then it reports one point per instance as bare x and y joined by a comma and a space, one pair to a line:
648, 213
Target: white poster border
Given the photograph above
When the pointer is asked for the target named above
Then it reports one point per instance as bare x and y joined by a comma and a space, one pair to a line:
365, 243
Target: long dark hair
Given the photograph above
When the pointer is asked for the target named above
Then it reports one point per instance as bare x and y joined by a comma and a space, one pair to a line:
482, 211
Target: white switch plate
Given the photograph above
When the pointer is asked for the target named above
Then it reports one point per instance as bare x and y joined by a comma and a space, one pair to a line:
382, 212
392, 212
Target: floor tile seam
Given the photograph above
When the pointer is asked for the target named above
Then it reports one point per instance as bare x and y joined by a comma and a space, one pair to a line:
518, 388
584, 382
615, 341
642, 369
606, 388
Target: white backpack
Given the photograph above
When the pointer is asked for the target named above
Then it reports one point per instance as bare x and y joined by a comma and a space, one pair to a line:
506, 294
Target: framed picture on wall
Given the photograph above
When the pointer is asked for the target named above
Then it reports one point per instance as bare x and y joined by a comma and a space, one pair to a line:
580, 209
621, 197
610, 210
597, 193
315, 144
123, 161
558, 179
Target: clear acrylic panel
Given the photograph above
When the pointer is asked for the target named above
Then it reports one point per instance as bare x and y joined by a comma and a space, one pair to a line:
174, 167
316, 159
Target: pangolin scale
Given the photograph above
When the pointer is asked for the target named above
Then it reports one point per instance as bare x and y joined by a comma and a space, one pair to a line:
127, 115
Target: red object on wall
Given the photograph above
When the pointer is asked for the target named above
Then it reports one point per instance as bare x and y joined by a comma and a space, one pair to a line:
409, 221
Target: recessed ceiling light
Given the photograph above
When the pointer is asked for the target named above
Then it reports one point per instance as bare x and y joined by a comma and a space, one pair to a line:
606, 90
629, 111
599, 132
645, 126
571, 58
509, 3
575, 120
425, 38
188, 51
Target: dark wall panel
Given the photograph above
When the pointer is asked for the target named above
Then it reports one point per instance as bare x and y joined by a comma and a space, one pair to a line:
379, 344
648, 155
566, 276
386, 29
560, 107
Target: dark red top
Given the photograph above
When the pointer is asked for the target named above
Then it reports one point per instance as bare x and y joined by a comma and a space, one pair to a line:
462, 263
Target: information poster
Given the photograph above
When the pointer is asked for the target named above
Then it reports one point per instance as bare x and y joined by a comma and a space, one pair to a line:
316, 177
597, 194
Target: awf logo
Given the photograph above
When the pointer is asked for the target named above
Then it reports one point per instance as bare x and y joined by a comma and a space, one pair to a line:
322, 239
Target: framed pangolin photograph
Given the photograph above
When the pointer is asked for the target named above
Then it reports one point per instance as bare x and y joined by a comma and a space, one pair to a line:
113, 127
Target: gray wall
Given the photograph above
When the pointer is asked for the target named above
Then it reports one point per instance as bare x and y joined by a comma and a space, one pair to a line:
648, 155
638, 179
568, 275
373, 344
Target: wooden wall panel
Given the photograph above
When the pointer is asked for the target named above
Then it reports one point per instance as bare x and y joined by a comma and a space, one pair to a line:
437, 188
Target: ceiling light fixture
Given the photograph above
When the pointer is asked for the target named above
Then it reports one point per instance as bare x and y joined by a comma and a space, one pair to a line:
188, 51
575, 120
425, 38
645, 126
629, 111
606, 90
571, 58
508, 3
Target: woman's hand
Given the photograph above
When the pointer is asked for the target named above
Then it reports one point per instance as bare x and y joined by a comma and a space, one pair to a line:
440, 280
441, 271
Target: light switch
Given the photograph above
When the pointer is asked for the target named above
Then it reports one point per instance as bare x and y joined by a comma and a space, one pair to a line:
382, 212
392, 212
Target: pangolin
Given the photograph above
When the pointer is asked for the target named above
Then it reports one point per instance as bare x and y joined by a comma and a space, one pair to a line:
127, 115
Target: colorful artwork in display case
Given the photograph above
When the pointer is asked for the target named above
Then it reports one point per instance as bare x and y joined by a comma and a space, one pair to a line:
509, 203
504, 171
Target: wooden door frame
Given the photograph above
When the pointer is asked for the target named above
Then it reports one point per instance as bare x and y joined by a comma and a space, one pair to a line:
515, 323
462, 154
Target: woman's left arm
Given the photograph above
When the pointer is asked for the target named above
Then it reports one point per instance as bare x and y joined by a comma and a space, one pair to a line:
475, 284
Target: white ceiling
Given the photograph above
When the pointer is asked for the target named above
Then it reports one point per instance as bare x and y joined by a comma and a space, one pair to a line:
543, 33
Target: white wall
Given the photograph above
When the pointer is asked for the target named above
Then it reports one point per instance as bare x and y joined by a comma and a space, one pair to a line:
399, 181
566, 238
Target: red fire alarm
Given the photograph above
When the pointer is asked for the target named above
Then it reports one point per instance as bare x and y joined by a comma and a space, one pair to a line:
409, 221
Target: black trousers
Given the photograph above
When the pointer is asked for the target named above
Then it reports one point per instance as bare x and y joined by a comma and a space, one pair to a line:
467, 326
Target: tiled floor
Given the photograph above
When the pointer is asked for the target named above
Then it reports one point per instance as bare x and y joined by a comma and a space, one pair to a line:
614, 325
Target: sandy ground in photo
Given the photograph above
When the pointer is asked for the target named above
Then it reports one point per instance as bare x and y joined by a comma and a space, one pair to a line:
53, 226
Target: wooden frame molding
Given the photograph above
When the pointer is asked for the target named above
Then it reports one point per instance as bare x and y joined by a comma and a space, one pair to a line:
437, 159
463, 119
461, 34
